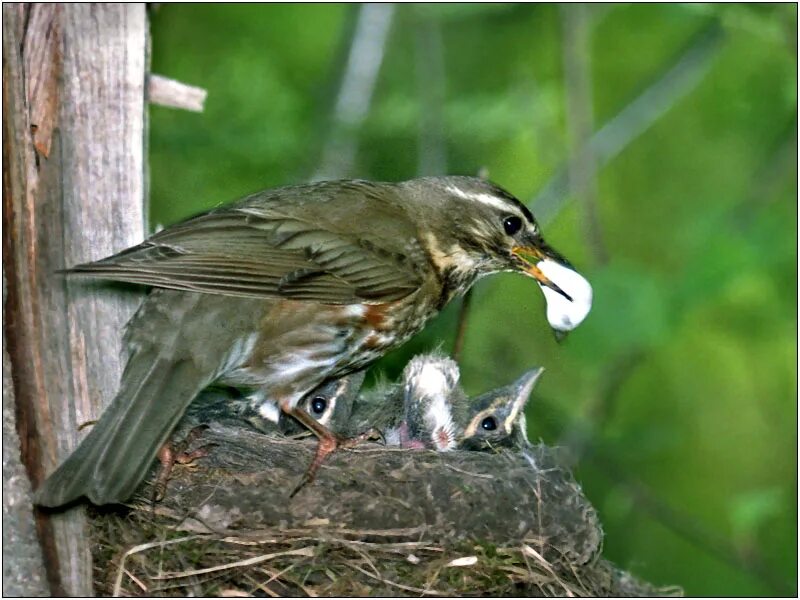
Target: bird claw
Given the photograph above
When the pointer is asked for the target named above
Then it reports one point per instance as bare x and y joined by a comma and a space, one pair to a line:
371, 435
377, 436
188, 458
177, 453
301, 484
329, 445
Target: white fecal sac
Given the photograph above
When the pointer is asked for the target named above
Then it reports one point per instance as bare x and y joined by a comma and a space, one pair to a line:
563, 314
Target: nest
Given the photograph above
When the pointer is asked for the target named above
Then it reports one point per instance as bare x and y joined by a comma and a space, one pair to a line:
376, 522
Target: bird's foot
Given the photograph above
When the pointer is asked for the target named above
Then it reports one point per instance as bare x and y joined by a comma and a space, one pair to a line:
177, 453
371, 435
328, 445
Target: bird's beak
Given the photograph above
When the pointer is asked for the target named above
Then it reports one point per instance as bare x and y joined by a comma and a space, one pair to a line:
531, 256
524, 385
567, 293
521, 392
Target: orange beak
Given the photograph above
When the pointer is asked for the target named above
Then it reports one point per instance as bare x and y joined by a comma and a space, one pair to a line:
530, 256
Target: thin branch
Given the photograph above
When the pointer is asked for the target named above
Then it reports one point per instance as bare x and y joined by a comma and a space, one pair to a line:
355, 94
461, 327
174, 94
638, 116
579, 435
432, 151
582, 169
779, 163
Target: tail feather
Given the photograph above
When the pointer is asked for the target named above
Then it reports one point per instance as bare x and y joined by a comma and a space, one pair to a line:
116, 455
178, 342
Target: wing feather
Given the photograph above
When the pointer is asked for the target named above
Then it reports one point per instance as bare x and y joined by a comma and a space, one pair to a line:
265, 252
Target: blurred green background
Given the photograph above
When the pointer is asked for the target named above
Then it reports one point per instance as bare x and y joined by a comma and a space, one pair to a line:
678, 394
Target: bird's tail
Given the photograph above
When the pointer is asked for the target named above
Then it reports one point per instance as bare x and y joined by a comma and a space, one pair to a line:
159, 382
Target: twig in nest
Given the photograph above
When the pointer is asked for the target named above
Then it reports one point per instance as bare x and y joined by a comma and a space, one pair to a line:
481, 475
275, 576
407, 588
547, 567
141, 548
307, 551
263, 585
136, 580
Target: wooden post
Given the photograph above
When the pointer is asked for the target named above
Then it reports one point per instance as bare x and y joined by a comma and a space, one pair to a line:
73, 191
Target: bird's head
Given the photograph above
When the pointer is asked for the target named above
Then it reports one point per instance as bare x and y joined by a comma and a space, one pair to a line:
430, 383
493, 418
330, 403
471, 227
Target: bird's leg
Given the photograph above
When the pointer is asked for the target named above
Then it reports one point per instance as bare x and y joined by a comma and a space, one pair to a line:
177, 453
329, 442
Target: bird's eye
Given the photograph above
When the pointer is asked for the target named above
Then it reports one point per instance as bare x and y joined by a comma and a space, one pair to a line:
512, 224
318, 405
489, 424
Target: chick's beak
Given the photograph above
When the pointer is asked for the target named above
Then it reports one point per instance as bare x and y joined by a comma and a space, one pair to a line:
530, 256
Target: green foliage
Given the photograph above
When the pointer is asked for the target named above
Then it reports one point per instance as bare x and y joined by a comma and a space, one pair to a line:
695, 310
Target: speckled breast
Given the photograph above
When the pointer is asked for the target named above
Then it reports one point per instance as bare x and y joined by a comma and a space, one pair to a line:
387, 326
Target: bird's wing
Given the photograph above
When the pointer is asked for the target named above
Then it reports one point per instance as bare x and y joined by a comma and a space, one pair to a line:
260, 252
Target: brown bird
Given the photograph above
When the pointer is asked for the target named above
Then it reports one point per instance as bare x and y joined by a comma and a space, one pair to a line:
287, 288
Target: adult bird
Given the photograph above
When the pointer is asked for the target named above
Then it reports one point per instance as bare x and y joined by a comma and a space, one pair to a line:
287, 288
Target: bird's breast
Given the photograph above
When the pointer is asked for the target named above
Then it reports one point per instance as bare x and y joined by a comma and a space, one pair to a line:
391, 324
300, 343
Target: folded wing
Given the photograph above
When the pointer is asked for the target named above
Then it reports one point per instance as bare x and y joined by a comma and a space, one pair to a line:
254, 252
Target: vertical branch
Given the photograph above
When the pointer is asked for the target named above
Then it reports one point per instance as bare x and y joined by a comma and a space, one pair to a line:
673, 83
461, 326
355, 94
580, 121
579, 436
432, 151
73, 190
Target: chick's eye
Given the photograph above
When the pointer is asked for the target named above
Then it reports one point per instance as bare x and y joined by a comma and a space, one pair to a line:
489, 424
318, 405
512, 225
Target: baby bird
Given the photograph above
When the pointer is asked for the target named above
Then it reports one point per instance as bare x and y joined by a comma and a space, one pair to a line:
497, 418
416, 411
428, 409
330, 403
430, 392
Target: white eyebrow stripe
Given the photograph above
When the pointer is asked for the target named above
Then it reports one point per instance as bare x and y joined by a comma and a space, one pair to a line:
484, 198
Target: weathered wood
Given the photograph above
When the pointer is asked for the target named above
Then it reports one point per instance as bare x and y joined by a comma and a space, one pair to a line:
73, 191
23, 566
175, 94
